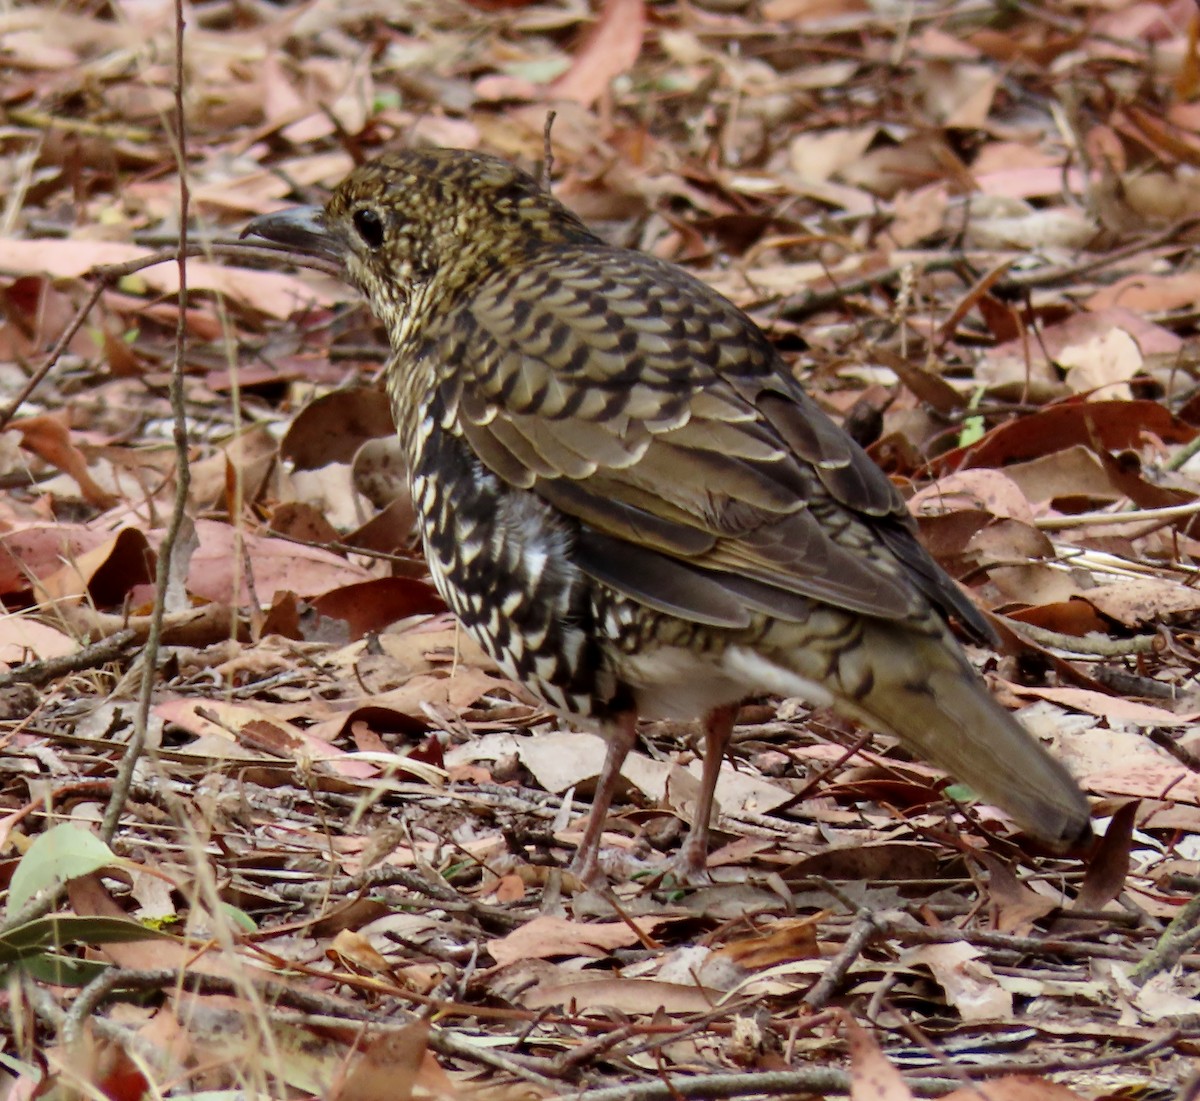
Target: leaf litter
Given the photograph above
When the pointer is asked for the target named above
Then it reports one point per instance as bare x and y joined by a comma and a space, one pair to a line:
971, 232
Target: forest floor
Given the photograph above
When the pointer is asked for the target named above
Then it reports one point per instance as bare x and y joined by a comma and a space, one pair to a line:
969, 227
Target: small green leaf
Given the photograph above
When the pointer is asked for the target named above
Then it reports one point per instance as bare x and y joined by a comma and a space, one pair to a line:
60, 854
974, 428
538, 70
63, 970
239, 918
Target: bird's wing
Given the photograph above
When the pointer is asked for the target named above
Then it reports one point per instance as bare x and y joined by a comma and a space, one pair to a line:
707, 483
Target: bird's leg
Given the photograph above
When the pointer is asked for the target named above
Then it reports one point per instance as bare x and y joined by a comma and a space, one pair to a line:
691, 863
586, 865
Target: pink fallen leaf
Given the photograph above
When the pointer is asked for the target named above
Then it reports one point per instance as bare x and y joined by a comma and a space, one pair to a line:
39, 550
1024, 1087
274, 293
1107, 707
609, 49
547, 936
276, 565
872, 1077
23, 639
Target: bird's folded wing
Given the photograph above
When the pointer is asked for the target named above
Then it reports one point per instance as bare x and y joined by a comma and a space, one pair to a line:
708, 484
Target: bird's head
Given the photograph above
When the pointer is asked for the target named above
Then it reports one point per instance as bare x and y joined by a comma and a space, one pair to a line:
414, 228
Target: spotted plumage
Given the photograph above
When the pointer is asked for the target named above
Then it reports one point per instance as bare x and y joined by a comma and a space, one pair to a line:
631, 503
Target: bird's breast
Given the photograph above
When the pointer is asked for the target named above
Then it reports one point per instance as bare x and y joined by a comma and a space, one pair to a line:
501, 559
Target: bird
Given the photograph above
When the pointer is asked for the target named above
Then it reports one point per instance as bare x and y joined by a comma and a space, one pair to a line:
632, 504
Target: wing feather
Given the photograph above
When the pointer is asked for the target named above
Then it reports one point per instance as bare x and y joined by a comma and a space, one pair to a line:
706, 482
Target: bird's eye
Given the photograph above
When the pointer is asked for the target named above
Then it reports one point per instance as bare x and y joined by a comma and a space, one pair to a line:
369, 226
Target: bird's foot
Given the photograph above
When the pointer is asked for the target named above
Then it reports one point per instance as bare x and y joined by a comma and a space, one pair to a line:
689, 867
585, 866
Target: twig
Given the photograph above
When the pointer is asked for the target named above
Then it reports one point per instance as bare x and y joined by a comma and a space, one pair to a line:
1176, 461
1099, 645
1028, 946
1181, 753
1041, 278
798, 307
37, 907
984, 938
88, 657
918, 1038
51, 1012
817, 780
547, 151
387, 876
1123, 683
90, 998
137, 740
445, 1042
1178, 937
1134, 516
1059, 1066
866, 928
1191, 1089
777, 1083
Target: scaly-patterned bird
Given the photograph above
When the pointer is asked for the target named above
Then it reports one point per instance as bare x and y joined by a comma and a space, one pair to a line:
630, 502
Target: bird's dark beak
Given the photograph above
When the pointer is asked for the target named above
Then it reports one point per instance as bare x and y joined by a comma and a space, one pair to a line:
301, 229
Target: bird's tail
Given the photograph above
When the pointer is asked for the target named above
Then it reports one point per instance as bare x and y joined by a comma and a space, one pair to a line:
921, 688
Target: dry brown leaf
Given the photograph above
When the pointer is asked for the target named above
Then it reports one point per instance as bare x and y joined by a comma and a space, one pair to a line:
792, 939
353, 950
23, 639
1073, 471
105, 573
962, 972
1016, 905
49, 438
641, 997
218, 570
546, 937
1143, 601
610, 49
989, 491
872, 1077
1108, 864
389, 1067
1107, 707
818, 155
273, 293
1149, 293
332, 428
957, 94
1021, 1087
370, 606
999, 222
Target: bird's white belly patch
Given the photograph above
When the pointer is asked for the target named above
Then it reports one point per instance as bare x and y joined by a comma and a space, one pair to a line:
758, 674
670, 682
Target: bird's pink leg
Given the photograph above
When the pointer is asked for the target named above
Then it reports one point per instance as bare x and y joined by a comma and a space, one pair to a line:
691, 863
586, 864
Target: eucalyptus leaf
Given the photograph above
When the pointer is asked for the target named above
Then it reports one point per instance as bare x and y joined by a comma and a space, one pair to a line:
57, 930
63, 970
60, 854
